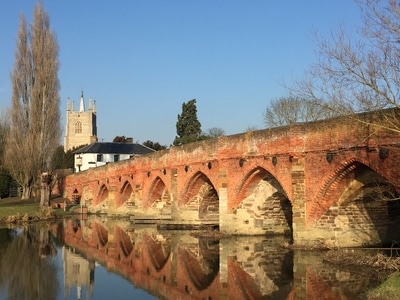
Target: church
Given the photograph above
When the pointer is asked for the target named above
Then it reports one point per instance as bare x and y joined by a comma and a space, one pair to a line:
81, 128
81, 131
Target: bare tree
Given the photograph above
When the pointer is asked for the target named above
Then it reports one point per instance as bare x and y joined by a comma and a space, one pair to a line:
214, 132
288, 110
35, 116
251, 128
355, 75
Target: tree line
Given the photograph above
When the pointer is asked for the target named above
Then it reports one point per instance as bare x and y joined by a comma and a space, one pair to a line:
351, 75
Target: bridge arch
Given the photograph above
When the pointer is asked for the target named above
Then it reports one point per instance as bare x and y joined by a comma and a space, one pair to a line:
360, 204
263, 198
342, 183
158, 252
200, 268
125, 194
74, 190
100, 236
201, 195
102, 195
125, 245
159, 197
368, 184
253, 179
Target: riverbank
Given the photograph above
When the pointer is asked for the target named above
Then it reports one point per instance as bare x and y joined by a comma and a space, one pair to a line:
385, 266
15, 211
349, 257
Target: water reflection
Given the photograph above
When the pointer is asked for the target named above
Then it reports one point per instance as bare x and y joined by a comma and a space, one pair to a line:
26, 265
102, 258
78, 274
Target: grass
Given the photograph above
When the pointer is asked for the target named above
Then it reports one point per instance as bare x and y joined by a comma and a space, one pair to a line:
17, 207
390, 289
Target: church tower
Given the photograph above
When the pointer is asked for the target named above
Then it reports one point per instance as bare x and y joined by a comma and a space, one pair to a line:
81, 128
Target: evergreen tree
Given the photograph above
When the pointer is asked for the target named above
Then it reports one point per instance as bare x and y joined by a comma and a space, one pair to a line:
188, 126
58, 158
5, 177
5, 180
64, 160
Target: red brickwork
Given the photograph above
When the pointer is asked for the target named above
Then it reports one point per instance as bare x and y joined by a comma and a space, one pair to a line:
172, 265
311, 165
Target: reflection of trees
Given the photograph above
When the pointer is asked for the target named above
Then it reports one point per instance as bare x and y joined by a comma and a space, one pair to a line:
25, 261
5, 238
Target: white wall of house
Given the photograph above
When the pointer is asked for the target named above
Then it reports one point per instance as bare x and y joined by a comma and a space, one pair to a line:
85, 161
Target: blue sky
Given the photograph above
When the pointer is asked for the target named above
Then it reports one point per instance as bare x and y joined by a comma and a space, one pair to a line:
140, 60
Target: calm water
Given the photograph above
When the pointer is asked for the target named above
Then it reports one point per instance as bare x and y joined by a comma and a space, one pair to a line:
113, 259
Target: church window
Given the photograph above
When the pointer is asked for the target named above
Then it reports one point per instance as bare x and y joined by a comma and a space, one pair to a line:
78, 127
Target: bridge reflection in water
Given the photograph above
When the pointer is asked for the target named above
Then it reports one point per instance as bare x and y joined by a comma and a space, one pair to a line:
177, 265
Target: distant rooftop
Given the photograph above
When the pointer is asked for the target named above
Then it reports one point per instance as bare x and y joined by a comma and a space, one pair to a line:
114, 148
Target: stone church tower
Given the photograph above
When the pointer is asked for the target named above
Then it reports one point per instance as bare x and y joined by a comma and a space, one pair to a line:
81, 128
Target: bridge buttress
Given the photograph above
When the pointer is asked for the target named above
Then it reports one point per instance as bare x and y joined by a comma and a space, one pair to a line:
223, 225
112, 196
299, 200
174, 194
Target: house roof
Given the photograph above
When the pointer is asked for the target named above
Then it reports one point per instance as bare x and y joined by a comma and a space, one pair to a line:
114, 148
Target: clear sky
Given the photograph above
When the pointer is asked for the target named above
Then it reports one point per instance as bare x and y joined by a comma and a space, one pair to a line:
140, 60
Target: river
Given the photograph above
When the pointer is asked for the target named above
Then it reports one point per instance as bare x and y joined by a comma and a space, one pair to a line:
106, 258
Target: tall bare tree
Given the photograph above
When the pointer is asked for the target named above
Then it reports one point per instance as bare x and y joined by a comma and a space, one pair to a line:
35, 115
360, 73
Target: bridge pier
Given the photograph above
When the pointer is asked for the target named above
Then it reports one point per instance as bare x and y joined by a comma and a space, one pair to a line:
298, 203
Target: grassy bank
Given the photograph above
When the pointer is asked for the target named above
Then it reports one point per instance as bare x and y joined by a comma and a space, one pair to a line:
16, 206
386, 268
390, 289
14, 209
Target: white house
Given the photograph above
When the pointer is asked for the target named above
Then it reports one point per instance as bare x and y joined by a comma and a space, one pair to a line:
99, 154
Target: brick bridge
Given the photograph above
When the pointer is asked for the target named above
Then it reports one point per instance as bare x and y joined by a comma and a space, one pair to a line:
332, 182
